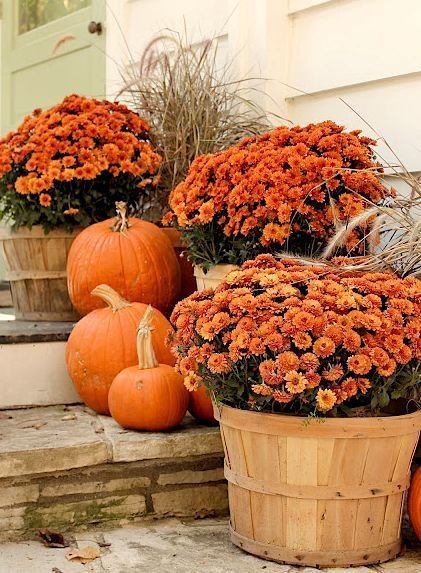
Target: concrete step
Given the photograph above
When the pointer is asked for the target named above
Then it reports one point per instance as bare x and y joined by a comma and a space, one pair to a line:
65, 468
167, 546
33, 367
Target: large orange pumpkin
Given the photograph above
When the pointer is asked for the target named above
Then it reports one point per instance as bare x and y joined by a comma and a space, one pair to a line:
133, 256
104, 342
149, 396
414, 502
200, 405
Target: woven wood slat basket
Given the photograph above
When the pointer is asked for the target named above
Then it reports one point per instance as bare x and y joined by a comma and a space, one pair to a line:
36, 268
327, 494
213, 277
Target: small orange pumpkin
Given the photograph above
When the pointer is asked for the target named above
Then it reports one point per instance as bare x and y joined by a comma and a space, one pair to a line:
150, 396
133, 256
104, 342
414, 502
200, 405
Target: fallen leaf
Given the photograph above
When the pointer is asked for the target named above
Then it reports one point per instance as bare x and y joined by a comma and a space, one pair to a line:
69, 417
53, 539
88, 553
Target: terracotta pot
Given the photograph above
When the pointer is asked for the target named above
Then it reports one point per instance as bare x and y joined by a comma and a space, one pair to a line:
36, 268
213, 277
188, 282
319, 494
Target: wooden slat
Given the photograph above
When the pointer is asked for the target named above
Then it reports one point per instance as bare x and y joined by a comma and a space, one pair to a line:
336, 521
34, 275
316, 492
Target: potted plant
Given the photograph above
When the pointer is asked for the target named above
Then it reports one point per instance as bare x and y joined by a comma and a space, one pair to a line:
289, 190
61, 170
301, 359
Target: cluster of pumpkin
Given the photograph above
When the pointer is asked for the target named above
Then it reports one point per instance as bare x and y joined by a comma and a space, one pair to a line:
123, 277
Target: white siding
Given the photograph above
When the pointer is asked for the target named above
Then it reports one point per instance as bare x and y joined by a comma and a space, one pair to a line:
311, 53
367, 52
132, 24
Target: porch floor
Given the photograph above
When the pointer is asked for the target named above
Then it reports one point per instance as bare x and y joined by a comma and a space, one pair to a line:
166, 546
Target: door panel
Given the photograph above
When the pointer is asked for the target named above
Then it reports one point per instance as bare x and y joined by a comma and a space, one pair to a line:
48, 53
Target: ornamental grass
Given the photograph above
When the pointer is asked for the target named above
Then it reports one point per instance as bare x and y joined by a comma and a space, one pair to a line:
193, 102
306, 339
288, 190
68, 165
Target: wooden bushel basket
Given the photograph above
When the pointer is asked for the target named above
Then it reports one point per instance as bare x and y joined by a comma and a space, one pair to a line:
326, 493
213, 277
36, 268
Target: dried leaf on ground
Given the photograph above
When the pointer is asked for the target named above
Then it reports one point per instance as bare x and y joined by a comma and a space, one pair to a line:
53, 539
69, 417
85, 554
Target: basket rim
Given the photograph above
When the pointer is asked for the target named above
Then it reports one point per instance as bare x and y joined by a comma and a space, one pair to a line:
284, 424
36, 232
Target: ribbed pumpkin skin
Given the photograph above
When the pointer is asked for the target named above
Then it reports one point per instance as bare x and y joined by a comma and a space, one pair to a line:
200, 405
153, 399
414, 502
103, 343
139, 263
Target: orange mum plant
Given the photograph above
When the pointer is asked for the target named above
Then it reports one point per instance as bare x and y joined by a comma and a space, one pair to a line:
285, 336
68, 165
287, 189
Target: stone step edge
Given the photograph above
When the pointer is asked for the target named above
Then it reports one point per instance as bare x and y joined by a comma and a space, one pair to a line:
109, 443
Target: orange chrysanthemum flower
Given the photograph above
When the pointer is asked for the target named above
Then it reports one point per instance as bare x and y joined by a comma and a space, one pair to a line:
218, 363
359, 363
287, 361
302, 340
45, 199
282, 397
295, 382
261, 389
351, 340
333, 373
309, 361
303, 320
325, 400
191, 382
324, 346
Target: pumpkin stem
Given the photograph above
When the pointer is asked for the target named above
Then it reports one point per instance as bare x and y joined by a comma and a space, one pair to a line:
121, 222
145, 351
111, 297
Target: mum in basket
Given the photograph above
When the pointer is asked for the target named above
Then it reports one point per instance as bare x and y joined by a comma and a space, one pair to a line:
289, 349
61, 170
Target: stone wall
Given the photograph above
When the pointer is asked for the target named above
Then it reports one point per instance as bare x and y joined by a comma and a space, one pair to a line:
112, 495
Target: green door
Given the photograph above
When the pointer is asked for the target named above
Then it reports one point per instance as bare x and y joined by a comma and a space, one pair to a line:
50, 48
